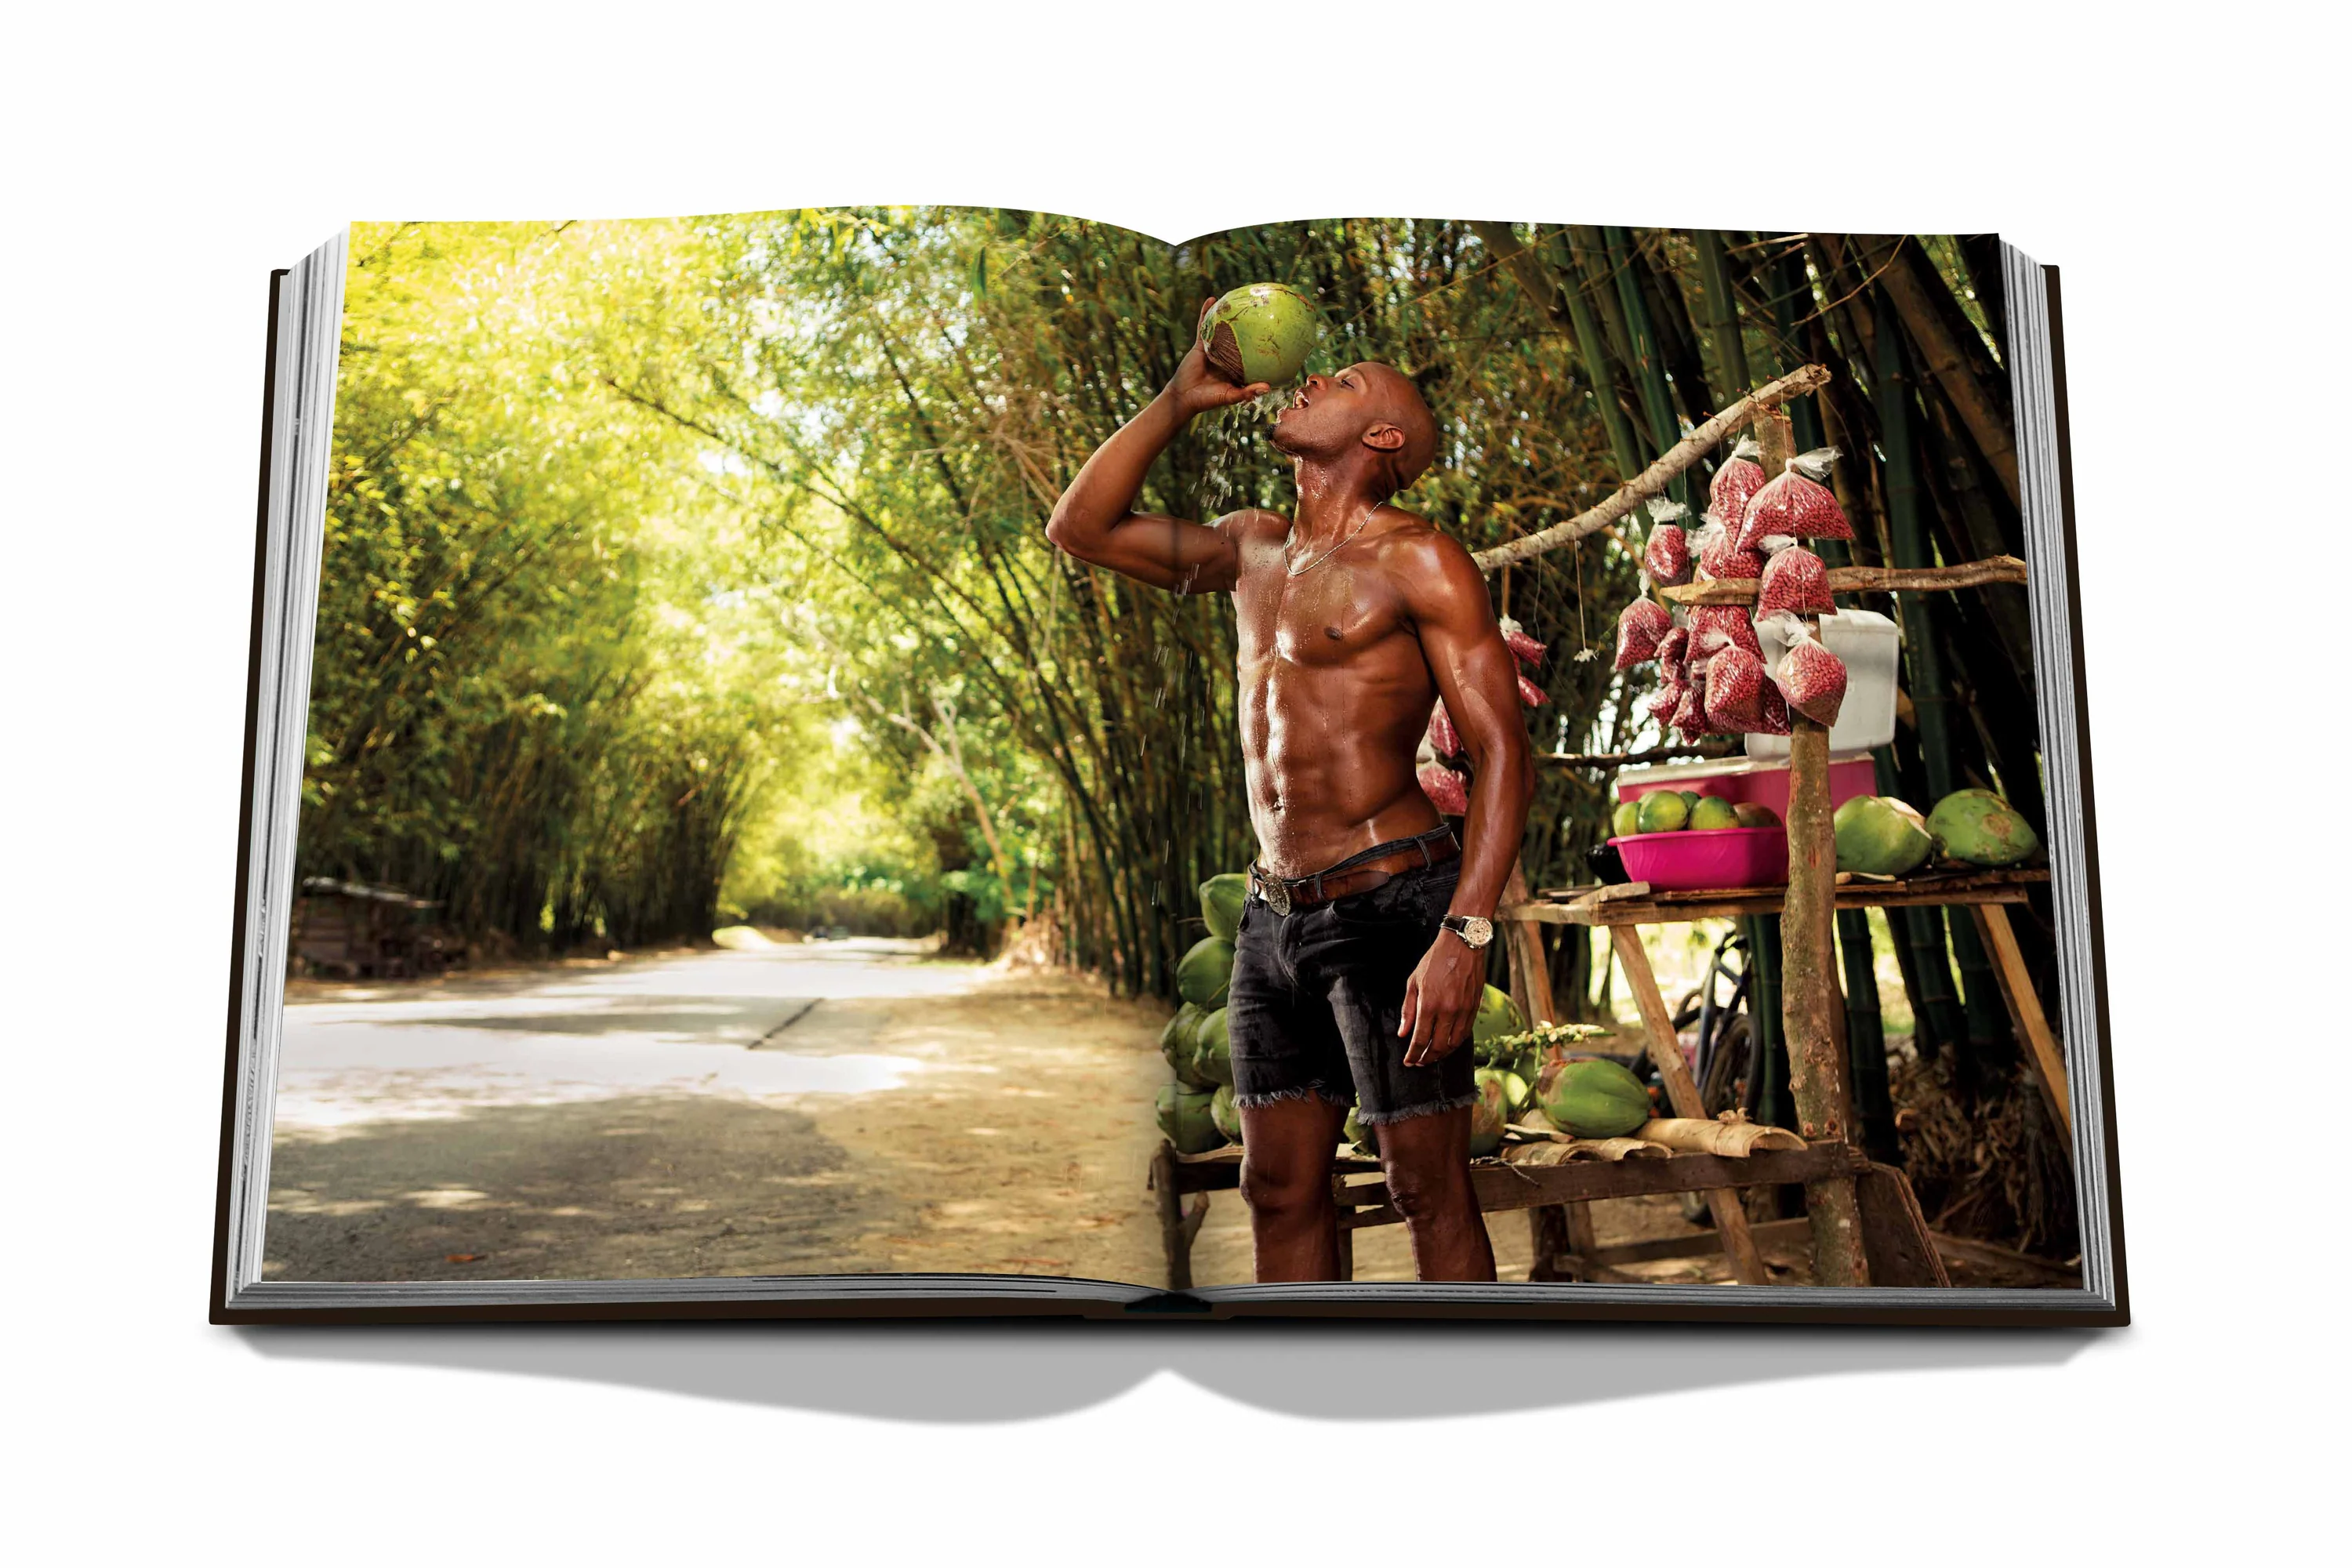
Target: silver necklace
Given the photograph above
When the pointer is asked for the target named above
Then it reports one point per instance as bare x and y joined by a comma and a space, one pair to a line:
1302, 570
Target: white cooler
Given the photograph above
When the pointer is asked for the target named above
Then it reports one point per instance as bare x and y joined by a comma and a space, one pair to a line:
1871, 646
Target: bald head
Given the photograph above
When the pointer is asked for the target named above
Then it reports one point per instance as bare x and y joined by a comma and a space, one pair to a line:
1398, 404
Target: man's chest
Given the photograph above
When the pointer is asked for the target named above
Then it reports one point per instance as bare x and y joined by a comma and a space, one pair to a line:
1331, 613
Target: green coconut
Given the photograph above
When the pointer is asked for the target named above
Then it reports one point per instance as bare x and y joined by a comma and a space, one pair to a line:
1180, 1042
1203, 974
1978, 827
1366, 1140
1497, 1014
1488, 1114
1880, 836
1626, 820
1226, 1114
1592, 1098
1663, 811
1221, 903
1213, 1051
1185, 1119
1260, 331
1712, 813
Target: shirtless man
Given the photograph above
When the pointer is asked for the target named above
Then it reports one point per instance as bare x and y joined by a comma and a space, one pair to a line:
1361, 957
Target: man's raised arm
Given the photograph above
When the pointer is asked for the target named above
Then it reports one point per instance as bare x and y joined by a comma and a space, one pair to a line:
1096, 518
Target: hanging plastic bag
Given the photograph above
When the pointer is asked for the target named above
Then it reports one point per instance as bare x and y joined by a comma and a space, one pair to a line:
1795, 581
1668, 556
1735, 691
1797, 504
1776, 711
1524, 649
1714, 627
1718, 561
1444, 739
1737, 482
1444, 789
1640, 626
1690, 715
1674, 648
1530, 693
1812, 677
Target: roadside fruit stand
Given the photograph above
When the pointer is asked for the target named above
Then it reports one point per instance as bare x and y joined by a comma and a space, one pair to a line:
1744, 627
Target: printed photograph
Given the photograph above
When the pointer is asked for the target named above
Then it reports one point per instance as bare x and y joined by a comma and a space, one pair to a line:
958, 740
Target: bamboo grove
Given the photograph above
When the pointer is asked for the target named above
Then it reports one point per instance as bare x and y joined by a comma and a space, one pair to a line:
691, 569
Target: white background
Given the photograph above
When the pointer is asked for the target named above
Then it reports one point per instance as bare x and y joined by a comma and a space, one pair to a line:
2185, 166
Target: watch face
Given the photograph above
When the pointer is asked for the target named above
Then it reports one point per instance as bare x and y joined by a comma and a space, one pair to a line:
1472, 930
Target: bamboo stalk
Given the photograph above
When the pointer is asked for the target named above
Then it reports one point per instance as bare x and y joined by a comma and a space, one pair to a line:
1722, 309
1988, 426
1641, 341
1566, 305
1652, 481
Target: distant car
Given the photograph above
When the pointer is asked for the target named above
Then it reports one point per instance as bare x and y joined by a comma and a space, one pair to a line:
830, 933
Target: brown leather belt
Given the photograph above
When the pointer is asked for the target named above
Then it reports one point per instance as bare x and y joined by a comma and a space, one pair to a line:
1359, 873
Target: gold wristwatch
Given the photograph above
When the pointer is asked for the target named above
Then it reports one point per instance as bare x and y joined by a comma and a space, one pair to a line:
1473, 931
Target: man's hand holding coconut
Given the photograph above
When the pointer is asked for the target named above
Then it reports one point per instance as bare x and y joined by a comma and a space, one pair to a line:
1360, 958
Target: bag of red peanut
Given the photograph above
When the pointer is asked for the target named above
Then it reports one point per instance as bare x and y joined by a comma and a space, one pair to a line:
1674, 648
1690, 716
1444, 739
1640, 626
1530, 693
1735, 482
1794, 580
1718, 561
1735, 692
1714, 627
1776, 711
1444, 789
1524, 649
1668, 555
1797, 505
1812, 677
1664, 702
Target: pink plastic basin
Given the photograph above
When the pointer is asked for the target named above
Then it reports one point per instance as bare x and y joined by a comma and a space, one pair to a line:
1716, 858
1762, 787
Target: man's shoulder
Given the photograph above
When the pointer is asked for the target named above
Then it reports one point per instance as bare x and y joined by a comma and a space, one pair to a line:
1415, 544
1251, 523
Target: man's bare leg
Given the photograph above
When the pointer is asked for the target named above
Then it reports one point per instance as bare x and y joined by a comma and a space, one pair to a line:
1287, 1149
1427, 1161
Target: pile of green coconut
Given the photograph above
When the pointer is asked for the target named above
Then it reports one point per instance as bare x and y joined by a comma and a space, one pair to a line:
1526, 1079
1879, 835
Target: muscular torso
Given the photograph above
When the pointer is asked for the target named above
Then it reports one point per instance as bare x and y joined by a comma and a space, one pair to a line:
1334, 695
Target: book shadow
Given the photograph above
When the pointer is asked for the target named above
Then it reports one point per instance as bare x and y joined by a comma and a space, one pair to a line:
990, 1373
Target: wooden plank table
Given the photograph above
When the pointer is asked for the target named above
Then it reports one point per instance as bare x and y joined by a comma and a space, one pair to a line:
1901, 1250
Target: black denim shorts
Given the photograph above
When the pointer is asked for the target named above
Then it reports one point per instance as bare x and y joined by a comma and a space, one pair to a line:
1317, 993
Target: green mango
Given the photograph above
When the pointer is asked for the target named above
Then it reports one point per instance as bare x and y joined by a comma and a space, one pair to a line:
1221, 898
1979, 827
1663, 811
1712, 813
1626, 820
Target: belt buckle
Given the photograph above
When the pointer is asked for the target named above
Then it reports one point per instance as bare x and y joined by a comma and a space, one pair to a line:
1276, 892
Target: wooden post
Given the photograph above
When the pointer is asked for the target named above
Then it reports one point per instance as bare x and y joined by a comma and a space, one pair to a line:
1548, 1239
1523, 944
1810, 999
1730, 1218
1175, 1239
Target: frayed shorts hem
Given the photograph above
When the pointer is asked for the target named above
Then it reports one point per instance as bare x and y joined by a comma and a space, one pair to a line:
1305, 1092
1434, 1107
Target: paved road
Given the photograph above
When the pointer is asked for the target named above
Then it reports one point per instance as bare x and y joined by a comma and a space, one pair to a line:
588, 1123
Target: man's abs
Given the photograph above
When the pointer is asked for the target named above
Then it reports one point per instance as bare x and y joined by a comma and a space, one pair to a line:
1329, 749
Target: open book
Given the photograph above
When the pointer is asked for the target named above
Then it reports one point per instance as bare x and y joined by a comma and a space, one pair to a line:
948, 760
